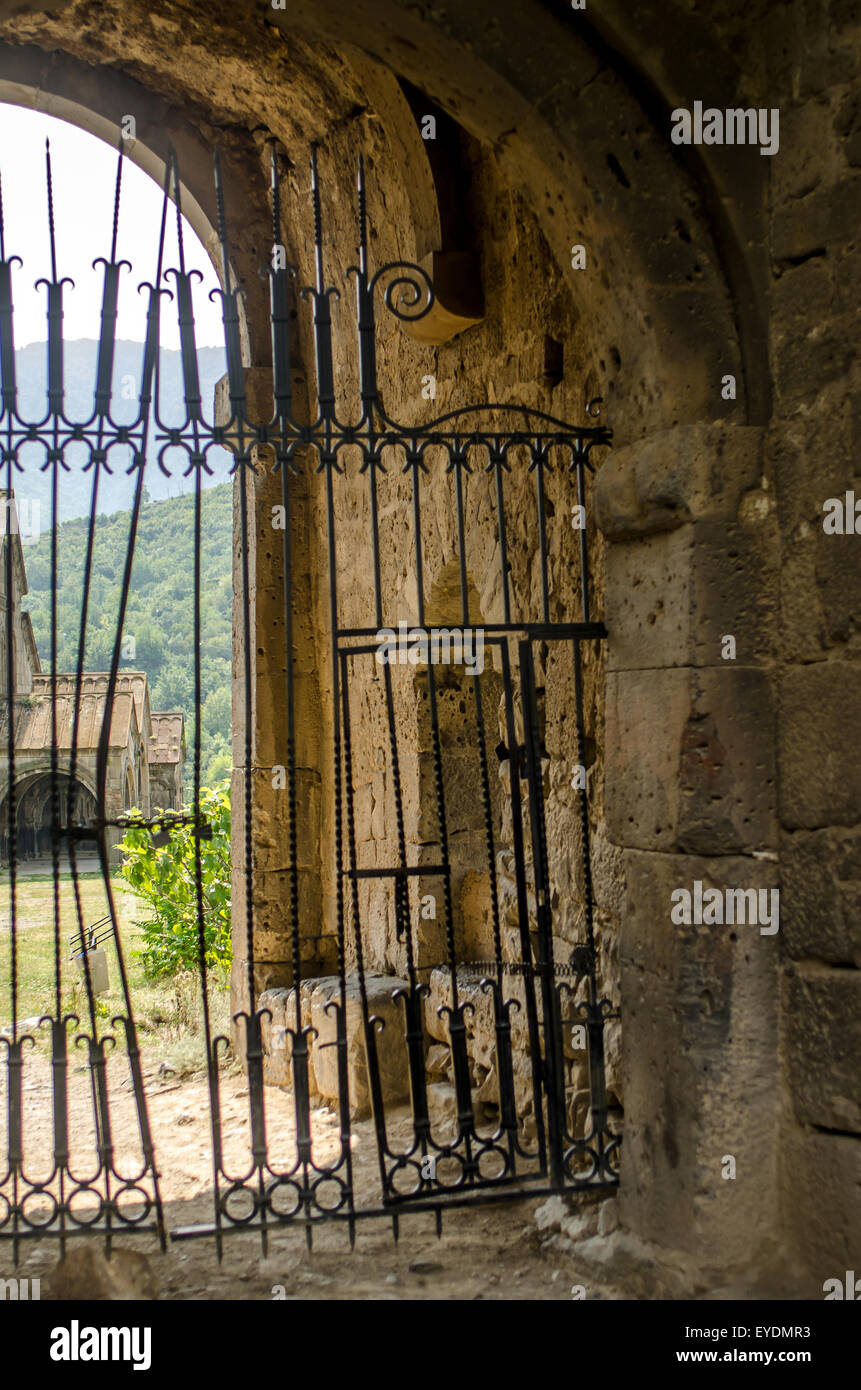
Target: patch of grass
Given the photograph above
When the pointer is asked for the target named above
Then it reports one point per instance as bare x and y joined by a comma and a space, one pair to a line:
168, 1012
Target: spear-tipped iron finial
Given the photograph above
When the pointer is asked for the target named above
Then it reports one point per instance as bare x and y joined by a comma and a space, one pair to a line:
117, 189
318, 220
50, 186
221, 217
177, 198
363, 217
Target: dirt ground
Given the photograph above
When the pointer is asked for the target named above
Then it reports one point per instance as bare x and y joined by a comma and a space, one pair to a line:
488, 1252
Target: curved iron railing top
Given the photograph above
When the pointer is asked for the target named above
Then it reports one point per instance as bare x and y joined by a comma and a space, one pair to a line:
406, 291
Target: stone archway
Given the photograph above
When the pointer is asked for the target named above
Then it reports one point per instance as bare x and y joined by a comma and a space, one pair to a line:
33, 811
655, 338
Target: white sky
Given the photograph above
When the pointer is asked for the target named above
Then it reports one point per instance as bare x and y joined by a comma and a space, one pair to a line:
84, 174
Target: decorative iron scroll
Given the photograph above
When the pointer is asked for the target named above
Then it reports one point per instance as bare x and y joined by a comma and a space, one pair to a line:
471, 1162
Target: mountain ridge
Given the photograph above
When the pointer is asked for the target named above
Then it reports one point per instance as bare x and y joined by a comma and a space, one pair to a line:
116, 487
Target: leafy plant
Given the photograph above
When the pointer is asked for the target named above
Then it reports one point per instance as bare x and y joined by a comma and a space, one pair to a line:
165, 878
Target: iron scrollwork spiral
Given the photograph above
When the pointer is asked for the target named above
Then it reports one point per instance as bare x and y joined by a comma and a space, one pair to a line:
416, 297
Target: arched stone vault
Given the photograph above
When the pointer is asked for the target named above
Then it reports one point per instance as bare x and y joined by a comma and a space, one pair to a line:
649, 326
565, 118
548, 93
561, 153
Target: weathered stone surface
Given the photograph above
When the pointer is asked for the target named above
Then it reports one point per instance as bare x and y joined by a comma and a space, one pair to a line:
575, 1223
812, 360
820, 772
821, 899
481, 1034
673, 296
672, 597
828, 216
689, 761
578, 1108
803, 128
608, 1217
821, 1181
390, 1044
698, 472
438, 1061
676, 953
86, 1275
702, 1004
823, 1029
820, 577
277, 1025
442, 1108
801, 295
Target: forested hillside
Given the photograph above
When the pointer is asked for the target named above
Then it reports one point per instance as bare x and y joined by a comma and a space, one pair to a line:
160, 612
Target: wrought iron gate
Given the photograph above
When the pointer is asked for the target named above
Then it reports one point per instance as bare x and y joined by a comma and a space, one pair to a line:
530, 998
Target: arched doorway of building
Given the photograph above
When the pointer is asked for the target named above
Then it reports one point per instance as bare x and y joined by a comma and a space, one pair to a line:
76, 805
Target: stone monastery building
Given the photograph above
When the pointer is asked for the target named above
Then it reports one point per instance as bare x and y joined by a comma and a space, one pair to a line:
147, 747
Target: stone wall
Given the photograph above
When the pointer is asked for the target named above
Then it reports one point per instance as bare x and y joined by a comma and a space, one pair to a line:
812, 453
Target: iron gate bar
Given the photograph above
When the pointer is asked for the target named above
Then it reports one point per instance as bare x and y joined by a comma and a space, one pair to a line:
437, 1207
54, 431
474, 1146
263, 1194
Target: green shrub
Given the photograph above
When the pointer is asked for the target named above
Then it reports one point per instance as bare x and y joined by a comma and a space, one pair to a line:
165, 878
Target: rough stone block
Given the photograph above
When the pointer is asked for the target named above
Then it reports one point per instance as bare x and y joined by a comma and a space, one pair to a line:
391, 1047
689, 760
463, 808
822, 1192
808, 361
806, 149
699, 960
578, 1112
801, 296
822, 432
442, 1108
481, 1032
819, 752
821, 900
694, 472
271, 915
672, 597
479, 1021
823, 1030
825, 219
820, 577
86, 1273
837, 582
279, 1016
700, 1031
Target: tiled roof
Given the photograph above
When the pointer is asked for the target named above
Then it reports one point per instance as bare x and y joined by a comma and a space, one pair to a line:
34, 731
